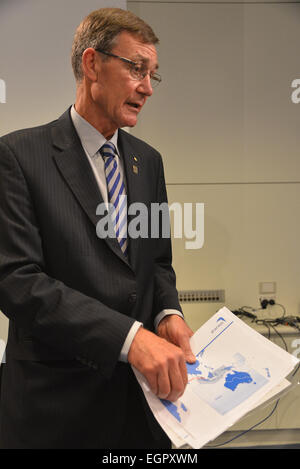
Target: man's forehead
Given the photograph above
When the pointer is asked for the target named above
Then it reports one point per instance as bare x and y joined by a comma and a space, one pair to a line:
140, 51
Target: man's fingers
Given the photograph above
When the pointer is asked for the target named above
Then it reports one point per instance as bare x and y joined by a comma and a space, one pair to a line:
162, 364
164, 385
172, 385
174, 329
169, 379
186, 348
153, 382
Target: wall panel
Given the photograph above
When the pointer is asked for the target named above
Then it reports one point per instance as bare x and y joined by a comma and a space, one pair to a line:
228, 131
225, 101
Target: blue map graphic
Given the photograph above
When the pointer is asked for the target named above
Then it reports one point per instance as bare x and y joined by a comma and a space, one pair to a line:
174, 409
232, 380
226, 386
222, 387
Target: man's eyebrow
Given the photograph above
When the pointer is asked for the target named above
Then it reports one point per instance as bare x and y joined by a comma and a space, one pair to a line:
144, 60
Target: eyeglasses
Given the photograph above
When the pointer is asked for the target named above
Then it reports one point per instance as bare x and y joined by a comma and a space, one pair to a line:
137, 70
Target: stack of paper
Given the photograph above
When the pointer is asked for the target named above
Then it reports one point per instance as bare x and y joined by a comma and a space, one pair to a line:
236, 370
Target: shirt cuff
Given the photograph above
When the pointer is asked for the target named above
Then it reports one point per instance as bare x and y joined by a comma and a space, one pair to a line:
135, 327
164, 313
130, 336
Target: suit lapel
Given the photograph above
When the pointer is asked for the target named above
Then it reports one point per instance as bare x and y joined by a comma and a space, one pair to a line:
73, 164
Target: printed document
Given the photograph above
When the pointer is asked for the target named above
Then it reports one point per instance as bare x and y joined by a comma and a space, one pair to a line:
236, 370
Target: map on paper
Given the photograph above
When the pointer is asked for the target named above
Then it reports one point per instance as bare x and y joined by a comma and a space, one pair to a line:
236, 370
178, 410
222, 387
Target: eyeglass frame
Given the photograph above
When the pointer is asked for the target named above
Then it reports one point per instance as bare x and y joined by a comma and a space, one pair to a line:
156, 77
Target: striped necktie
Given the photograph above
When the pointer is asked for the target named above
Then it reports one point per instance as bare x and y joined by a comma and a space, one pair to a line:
116, 194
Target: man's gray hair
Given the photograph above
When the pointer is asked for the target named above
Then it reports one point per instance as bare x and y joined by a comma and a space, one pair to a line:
100, 30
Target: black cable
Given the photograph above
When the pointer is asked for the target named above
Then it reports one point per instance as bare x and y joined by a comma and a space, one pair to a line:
292, 321
271, 323
264, 323
280, 336
243, 312
264, 303
248, 307
249, 429
284, 311
297, 368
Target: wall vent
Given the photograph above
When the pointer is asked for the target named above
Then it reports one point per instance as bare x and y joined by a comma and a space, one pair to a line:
202, 296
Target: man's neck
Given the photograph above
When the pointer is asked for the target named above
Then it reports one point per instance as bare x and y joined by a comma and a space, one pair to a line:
86, 109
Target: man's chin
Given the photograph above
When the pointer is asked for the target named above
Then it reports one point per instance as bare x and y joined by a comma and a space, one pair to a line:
129, 119
130, 123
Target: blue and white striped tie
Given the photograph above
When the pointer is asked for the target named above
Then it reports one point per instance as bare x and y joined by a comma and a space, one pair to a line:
116, 194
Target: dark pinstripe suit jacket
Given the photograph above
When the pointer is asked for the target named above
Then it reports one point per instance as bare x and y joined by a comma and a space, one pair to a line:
71, 297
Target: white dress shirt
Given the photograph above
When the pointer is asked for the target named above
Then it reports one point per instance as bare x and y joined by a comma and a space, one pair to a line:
92, 140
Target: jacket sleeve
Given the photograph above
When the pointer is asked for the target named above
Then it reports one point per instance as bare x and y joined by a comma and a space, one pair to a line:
63, 318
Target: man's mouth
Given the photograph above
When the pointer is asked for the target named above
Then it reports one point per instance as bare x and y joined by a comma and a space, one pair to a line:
134, 105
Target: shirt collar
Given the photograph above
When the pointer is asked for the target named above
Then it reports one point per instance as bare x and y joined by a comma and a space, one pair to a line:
91, 139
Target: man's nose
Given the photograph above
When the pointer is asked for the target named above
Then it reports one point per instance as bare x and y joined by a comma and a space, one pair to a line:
145, 86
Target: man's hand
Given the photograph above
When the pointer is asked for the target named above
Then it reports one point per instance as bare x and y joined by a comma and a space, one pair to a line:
174, 329
162, 364
162, 359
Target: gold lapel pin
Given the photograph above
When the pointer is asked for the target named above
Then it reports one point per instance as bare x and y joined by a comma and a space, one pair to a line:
135, 168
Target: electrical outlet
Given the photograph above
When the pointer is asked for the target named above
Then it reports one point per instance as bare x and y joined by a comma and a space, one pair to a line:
267, 297
201, 296
267, 288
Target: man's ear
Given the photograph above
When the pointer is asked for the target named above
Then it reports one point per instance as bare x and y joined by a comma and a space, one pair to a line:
89, 64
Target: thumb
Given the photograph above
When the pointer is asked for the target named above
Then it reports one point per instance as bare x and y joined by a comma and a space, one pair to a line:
186, 348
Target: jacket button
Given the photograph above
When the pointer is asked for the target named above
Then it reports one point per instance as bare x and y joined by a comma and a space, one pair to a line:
132, 297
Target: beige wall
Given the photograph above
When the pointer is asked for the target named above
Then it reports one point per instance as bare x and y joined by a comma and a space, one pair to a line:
228, 131
35, 43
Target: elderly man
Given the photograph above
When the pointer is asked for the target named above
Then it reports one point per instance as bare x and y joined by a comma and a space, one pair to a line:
83, 308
